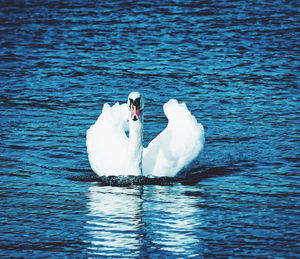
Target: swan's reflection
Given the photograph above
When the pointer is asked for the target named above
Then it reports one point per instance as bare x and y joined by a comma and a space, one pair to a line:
144, 220
114, 220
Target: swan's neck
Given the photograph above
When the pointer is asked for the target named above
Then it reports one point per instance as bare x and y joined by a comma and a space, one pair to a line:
135, 147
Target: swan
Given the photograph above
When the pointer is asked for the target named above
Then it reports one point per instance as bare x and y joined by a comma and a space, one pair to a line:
112, 152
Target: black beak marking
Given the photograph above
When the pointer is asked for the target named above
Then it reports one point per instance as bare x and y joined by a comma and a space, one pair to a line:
136, 102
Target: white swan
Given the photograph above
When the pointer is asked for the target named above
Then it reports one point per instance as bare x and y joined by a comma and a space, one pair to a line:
111, 152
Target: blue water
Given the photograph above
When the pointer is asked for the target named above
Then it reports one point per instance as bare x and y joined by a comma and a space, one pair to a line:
235, 64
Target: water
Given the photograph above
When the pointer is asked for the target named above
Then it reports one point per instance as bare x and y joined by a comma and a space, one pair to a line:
235, 64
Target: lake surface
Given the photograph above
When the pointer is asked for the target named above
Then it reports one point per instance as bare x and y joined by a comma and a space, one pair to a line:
234, 63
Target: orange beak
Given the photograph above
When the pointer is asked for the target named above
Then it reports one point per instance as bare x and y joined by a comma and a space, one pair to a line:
135, 112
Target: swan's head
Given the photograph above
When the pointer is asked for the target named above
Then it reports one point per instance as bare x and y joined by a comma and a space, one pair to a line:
136, 105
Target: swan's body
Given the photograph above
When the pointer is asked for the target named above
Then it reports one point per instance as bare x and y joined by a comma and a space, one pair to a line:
111, 152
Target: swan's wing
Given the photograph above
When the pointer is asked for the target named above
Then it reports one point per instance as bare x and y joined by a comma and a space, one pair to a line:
106, 140
177, 145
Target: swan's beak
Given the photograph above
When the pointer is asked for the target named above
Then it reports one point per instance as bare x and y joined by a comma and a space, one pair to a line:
135, 108
135, 112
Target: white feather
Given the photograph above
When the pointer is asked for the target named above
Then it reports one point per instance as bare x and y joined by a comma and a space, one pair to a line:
177, 145
107, 141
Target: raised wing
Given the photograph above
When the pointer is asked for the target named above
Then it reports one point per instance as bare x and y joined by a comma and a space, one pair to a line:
177, 145
107, 141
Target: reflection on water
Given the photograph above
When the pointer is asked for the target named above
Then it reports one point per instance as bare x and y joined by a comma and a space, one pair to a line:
115, 220
213, 218
140, 220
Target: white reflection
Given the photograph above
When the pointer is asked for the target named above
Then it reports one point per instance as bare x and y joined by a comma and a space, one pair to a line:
146, 220
114, 220
175, 220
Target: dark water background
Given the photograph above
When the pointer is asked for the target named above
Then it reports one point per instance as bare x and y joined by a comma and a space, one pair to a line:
235, 64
